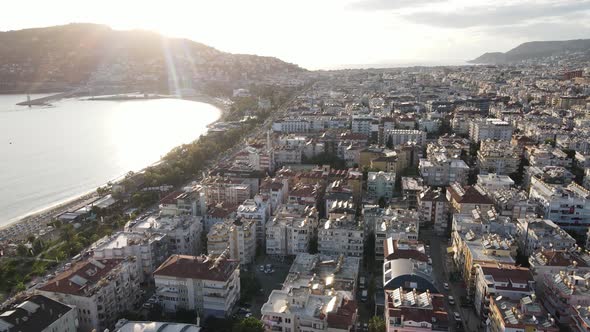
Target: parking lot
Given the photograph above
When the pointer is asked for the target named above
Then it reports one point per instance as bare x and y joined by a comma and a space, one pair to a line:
268, 281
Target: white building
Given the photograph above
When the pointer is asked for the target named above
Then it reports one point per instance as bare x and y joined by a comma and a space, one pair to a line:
496, 129
150, 249
101, 290
288, 235
403, 136
439, 170
536, 233
342, 235
397, 225
123, 325
238, 235
183, 231
567, 206
258, 159
433, 208
308, 310
380, 185
363, 124
297, 125
258, 210
497, 157
492, 182
39, 313
210, 286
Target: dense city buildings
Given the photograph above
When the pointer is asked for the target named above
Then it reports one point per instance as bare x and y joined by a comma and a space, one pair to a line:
452, 198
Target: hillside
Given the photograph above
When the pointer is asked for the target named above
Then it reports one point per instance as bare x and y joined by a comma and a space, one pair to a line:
96, 55
534, 50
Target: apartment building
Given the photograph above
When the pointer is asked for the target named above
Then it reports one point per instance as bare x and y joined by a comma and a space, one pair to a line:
513, 203
288, 235
258, 210
307, 310
536, 233
413, 311
260, 159
526, 314
563, 291
433, 208
440, 170
328, 272
274, 191
495, 129
498, 157
465, 199
208, 285
495, 279
473, 247
396, 224
39, 313
238, 235
380, 185
149, 249
567, 206
341, 235
403, 136
225, 190
546, 155
100, 290
411, 189
182, 231
549, 262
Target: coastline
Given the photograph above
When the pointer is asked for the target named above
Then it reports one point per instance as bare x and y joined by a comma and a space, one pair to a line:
45, 214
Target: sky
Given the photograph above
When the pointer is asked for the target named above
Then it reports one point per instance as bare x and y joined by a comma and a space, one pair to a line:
328, 34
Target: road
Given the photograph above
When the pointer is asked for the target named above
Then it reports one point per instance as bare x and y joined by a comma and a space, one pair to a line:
442, 265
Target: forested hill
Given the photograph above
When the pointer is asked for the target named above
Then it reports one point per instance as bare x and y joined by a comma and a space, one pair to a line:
77, 54
535, 50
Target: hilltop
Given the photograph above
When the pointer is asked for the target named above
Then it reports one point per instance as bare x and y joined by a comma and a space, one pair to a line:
90, 54
535, 50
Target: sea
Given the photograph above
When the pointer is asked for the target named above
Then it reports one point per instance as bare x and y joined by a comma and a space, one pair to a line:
51, 154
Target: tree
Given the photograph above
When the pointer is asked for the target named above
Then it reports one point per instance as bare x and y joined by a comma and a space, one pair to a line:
376, 324
313, 245
22, 250
249, 324
249, 286
389, 143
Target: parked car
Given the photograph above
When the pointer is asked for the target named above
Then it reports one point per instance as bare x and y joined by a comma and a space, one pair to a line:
451, 300
446, 286
457, 316
261, 268
364, 294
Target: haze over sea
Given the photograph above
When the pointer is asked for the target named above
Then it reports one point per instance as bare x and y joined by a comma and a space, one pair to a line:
51, 154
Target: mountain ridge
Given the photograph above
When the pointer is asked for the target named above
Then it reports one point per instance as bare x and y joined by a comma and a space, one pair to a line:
93, 54
534, 50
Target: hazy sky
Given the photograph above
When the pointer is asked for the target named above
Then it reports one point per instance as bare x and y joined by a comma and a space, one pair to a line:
328, 33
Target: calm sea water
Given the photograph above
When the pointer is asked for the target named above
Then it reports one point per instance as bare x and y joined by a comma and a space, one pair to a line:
52, 154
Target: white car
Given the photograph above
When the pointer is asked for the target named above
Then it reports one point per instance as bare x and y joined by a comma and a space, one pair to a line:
457, 316
451, 300
446, 286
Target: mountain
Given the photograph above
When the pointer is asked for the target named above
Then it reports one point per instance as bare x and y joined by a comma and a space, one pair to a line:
90, 54
534, 50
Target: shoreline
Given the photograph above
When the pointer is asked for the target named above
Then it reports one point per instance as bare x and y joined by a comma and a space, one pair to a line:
44, 215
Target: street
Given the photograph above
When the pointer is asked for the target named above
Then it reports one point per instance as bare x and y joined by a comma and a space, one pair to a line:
442, 265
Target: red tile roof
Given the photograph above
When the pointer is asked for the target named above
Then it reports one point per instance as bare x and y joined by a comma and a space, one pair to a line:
86, 270
344, 318
197, 267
